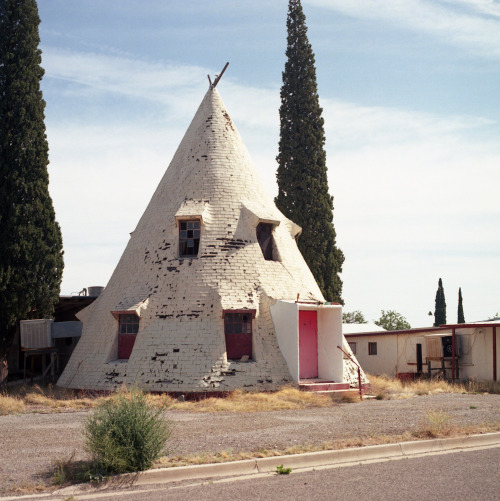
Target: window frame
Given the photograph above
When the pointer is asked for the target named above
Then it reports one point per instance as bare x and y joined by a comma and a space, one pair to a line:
194, 239
372, 348
264, 231
129, 322
238, 347
352, 346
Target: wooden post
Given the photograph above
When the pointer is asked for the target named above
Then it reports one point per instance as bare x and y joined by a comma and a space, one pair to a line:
453, 354
216, 81
494, 352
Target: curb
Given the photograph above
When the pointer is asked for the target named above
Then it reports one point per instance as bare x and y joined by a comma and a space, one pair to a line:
297, 461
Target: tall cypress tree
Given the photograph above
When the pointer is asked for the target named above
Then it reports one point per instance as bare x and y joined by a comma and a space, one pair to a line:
303, 193
461, 318
440, 311
31, 256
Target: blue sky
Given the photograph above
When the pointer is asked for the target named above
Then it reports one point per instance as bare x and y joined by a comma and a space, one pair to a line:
409, 90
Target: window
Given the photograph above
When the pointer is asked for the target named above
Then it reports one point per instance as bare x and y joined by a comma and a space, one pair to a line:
189, 238
128, 326
238, 333
266, 240
372, 348
352, 345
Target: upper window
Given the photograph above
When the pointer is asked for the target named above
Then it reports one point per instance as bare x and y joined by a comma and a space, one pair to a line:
127, 332
372, 348
266, 240
189, 238
352, 345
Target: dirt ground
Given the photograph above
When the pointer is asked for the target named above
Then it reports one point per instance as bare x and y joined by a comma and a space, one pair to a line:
30, 443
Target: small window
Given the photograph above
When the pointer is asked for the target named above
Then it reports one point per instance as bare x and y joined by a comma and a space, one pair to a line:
372, 348
266, 240
238, 333
352, 345
189, 238
127, 332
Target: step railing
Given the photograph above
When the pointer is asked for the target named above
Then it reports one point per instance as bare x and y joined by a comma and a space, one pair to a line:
359, 371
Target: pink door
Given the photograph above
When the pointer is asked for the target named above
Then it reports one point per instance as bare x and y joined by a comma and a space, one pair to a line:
308, 344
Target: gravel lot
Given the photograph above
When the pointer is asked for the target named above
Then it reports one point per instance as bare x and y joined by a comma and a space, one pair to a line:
30, 443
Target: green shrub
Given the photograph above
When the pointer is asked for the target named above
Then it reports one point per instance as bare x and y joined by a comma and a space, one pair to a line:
281, 470
126, 434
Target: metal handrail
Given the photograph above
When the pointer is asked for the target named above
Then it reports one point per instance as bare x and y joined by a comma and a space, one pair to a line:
359, 370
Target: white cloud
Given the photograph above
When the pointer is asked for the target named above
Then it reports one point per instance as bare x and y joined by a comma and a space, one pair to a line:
415, 193
469, 24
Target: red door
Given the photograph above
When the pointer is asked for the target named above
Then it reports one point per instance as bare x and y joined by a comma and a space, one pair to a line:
308, 344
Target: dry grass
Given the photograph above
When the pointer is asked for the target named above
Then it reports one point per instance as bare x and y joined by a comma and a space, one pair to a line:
10, 405
240, 401
54, 398
384, 387
49, 398
483, 387
435, 424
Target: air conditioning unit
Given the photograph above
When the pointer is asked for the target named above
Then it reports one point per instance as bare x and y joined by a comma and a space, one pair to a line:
36, 334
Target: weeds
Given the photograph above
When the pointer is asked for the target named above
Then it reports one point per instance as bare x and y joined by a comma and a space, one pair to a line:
281, 470
10, 405
435, 424
126, 433
54, 398
51, 398
385, 388
68, 471
240, 401
473, 386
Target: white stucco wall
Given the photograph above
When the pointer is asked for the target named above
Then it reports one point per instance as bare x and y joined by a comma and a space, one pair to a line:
330, 358
385, 361
396, 353
285, 317
477, 346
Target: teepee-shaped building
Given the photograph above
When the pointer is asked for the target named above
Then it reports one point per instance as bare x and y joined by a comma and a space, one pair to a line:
211, 292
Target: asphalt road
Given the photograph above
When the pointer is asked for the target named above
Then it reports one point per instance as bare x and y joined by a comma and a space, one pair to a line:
463, 475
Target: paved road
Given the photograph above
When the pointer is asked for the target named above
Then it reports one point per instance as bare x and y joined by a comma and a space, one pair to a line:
468, 475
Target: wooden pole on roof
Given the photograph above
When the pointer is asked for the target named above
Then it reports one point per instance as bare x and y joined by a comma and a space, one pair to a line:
216, 81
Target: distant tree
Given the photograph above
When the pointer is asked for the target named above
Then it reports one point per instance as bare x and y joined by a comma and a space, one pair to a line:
302, 179
31, 256
392, 321
353, 317
494, 317
461, 318
440, 311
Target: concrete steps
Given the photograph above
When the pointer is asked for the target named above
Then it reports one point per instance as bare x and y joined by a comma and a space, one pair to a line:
323, 386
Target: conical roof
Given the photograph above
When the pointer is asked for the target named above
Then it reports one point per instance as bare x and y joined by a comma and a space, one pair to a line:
180, 301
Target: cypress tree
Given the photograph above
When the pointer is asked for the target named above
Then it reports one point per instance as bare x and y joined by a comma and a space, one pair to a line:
440, 311
31, 256
303, 193
461, 318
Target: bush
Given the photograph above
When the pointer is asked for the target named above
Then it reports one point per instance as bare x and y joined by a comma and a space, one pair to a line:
126, 434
